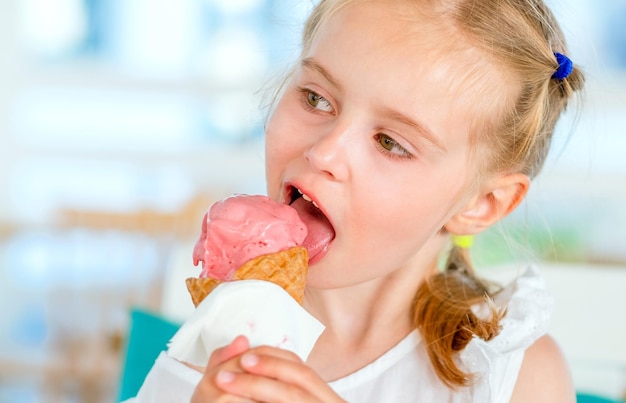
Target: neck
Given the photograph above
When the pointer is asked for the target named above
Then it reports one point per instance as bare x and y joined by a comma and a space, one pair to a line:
365, 320
352, 313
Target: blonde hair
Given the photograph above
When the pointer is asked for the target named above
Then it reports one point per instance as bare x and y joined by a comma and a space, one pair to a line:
520, 37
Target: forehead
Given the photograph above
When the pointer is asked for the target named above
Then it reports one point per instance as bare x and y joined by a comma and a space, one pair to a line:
412, 55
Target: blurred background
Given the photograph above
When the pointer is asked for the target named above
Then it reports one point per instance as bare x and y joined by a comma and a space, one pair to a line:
122, 120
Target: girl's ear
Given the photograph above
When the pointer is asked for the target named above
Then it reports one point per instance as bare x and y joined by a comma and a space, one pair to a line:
496, 199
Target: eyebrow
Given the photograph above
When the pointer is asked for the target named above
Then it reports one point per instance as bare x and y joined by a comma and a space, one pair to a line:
312, 64
420, 128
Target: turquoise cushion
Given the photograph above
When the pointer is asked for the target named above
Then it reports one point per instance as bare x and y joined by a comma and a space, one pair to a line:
591, 398
148, 335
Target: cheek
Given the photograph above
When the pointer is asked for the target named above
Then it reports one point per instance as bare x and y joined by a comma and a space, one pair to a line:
416, 218
272, 170
271, 135
281, 145
421, 203
274, 151
286, 134
282, 129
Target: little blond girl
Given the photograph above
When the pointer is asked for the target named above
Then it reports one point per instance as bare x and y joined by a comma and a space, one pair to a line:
408, 122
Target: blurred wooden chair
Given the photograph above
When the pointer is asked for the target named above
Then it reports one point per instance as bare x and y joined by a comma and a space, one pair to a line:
84, 340
83, 361
180, 224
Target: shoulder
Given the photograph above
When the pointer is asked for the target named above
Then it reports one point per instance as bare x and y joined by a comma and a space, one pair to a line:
544, 360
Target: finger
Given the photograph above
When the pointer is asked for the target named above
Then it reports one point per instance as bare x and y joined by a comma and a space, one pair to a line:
290, 371
263, 389
276, 352
223, 360
236, 347
208, 389
223, 398
232, 399
196, 367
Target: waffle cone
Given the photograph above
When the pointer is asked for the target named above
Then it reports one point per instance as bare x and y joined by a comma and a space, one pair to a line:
287, 268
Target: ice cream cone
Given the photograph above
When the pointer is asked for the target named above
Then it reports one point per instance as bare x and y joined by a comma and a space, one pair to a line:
287, 268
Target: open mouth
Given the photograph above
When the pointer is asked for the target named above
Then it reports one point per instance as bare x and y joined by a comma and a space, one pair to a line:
320, 230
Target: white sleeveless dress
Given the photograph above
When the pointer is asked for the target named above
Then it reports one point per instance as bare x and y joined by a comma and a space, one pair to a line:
404, 373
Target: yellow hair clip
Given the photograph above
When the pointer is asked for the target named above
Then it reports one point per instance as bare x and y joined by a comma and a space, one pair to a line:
463, 241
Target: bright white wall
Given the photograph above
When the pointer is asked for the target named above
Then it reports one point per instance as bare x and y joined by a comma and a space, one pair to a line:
587, 321
9, 86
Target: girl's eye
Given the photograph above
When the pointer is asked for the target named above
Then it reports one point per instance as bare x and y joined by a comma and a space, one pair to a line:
390, 145
316, 101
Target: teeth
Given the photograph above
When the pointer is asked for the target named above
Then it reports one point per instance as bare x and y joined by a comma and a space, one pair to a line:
307, 198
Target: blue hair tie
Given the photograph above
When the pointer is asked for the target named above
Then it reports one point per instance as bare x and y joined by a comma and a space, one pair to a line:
565, 66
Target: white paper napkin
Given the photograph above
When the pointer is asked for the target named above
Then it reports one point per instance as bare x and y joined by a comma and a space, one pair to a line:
260, 310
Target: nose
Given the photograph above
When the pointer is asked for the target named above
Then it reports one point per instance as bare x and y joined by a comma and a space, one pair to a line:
329, 153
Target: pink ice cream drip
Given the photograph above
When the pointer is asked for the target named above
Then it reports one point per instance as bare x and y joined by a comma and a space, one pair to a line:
240, 228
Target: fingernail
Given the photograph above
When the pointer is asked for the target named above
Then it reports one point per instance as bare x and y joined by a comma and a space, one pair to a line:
224, 376
249, 360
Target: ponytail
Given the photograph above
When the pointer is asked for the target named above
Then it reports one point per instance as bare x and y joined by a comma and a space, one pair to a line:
443, 312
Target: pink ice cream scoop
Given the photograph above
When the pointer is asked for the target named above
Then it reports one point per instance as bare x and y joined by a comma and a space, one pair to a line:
242, 227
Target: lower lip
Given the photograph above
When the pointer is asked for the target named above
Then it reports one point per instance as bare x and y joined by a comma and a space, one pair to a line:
320, 255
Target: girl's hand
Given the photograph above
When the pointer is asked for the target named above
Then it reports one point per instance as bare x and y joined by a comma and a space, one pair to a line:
273, 375
222, 359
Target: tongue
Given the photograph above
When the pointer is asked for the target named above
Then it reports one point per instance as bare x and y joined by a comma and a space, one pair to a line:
320, 232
